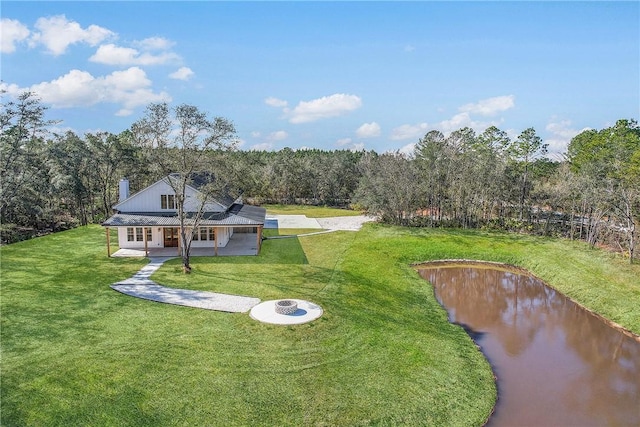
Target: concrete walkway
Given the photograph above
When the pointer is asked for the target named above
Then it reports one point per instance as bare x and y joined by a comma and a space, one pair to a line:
141, 286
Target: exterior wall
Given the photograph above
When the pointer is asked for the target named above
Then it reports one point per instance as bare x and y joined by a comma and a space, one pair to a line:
148, 200
157, 239
223, 239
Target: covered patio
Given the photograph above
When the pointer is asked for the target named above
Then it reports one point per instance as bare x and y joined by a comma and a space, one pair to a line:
236, 231
240, 244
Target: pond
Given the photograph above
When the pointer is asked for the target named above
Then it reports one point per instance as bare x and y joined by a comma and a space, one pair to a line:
556, 364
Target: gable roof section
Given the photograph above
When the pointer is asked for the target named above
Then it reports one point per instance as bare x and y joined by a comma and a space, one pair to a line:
137, 194
224, 198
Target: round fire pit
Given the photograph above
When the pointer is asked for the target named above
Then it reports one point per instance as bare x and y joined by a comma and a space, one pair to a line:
286, 306
286, 312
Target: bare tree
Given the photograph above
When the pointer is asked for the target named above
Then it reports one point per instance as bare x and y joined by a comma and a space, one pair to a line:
178, 142
388, 187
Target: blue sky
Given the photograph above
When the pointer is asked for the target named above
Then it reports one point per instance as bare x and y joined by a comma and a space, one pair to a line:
331, 75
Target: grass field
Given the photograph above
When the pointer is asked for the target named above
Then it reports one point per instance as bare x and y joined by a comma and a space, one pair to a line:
75, 352
309, 211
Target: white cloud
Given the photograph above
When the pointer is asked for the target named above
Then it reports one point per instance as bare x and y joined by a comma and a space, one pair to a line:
408, 150
409, 131
485, 107
277, 136
57, 33
490, 106
456, 122
183, 73
154, 43
325, 107
255, 134
111, 54
409, 48
11, 32
343, 141
368, 130
129, 88
275, 102
561, 135
76, 88
11, 89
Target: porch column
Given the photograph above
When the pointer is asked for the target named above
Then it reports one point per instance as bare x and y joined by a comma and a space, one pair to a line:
179, 239
259, 238
146, 247
215, 240
108, 244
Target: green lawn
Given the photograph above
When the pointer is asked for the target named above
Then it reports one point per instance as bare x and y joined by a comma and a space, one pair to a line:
309, 211
75, 352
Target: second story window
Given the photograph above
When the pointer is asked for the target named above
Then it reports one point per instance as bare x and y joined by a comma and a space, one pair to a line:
167, 201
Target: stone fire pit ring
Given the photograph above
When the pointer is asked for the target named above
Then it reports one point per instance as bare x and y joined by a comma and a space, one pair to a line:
286, 306
286, 312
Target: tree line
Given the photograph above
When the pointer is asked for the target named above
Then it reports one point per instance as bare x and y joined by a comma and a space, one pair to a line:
52, 181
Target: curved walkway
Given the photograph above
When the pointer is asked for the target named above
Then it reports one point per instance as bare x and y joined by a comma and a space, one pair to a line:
140, 286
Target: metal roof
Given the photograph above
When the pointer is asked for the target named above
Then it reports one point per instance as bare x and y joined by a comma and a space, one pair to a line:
236, 215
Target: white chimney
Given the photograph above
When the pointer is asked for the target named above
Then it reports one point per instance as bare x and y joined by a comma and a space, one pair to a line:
124, 189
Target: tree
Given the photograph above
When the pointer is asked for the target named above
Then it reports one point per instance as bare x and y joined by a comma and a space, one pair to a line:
610, 160
524, 150
433, 161
387, 188
179, 143
111, 156
71, 174
23, 175
491, 150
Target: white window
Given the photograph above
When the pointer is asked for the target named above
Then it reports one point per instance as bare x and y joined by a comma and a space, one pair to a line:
205, 233
135, 234
168, 201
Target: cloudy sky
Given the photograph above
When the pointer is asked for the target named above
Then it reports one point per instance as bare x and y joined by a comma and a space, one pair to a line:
330, 75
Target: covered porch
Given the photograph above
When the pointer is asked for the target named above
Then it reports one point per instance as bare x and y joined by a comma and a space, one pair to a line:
239, 244
234, 232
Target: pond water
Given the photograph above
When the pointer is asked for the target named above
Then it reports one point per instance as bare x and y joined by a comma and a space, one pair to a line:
556, 364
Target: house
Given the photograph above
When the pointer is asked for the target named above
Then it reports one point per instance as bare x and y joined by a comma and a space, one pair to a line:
148, 222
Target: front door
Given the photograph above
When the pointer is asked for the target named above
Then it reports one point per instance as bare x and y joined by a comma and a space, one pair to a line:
171, 237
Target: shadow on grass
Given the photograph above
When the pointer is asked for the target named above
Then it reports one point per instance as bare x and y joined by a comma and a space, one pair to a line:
280, 251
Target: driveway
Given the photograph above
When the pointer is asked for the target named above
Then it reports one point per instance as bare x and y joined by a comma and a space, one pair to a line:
349, 223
